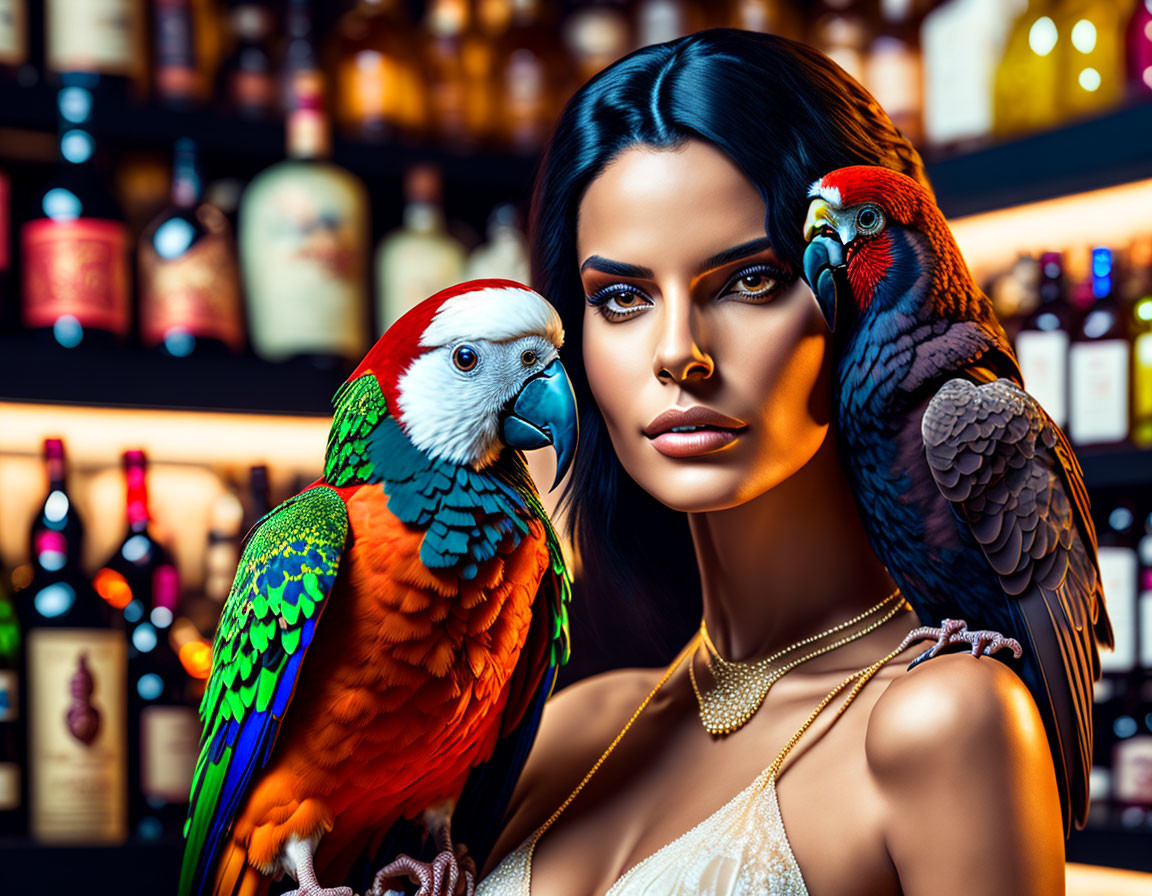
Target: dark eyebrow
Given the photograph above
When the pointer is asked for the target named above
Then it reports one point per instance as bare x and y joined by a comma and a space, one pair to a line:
736, 252
615, 268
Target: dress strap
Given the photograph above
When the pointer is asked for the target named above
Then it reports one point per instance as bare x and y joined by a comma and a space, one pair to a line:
861, 677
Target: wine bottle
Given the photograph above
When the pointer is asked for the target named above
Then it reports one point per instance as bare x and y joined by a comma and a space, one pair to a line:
303, 244
189, 280
76, 673
75, 242
376, 71
1138, 41
1118, 575
12, 820
1042, 343
101, 38
420, 258
1092, 79
176, 74
246, 82
57, 513
1098, 363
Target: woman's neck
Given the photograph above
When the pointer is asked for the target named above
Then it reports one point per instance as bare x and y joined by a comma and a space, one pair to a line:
788, 564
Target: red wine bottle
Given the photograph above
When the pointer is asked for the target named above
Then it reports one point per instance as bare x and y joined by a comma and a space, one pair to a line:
57, 513
75, 669
75, 242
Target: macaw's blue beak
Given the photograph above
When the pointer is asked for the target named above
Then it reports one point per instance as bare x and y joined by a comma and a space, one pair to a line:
827, 274
544, 413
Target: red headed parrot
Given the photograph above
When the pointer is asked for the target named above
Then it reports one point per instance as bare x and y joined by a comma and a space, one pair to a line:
970, 493
394, 629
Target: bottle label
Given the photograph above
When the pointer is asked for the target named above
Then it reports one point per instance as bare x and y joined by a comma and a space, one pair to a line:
79, 268
13, 34
169, 748
176, 74
1098, 384
1118, 571
1142, 388
302, 244
9, 696
1043, 358
77, 686
101, 36
9, 786
1132, 762
196, 293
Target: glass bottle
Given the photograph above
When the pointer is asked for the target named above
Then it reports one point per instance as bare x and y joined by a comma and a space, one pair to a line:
259, 499
1028, 78
1119, 575
189, 281
75, 242
962, 42
1042, 343
246, 82
505, 255
450, 42
1099, 365
1092, 79
1138, 40
840, 31
374, 55
659, 21
529, 77
76, 672
57, 513
893, 68
175, 73
101, 38
303, 245
421, 258
13, 39
597, 33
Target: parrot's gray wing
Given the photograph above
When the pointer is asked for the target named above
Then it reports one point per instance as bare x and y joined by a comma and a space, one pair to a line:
1010, 475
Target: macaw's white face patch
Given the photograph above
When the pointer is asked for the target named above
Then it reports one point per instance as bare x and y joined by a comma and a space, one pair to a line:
494, 314
829, 194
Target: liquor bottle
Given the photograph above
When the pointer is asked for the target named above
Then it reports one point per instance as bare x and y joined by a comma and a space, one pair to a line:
1042, 343
1028, 78
189, 280
12, 819
1092, 79
1138, 41
768, 16
75, 243
75, 668
892, 68
420, 258
962, 43
1098, 365
246, 82
505, 255
57, 513
1119, 577
103, 38
530, 69
176, 75
841, 33
303, 246
140, 581
1139, 299
597, 33
13, 39
659, 21
450, 47
376, 72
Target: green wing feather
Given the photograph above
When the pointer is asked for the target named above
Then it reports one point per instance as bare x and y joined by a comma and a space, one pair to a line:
286, 573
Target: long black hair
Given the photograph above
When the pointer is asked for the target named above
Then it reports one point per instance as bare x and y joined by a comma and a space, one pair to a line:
784, 114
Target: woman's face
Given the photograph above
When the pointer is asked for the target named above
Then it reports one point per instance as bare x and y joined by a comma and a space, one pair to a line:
693, 321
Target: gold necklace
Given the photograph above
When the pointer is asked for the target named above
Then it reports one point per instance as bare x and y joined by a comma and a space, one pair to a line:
740, 688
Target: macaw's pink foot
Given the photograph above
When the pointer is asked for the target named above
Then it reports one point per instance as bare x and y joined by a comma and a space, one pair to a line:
449, 874
300, 854
955, 631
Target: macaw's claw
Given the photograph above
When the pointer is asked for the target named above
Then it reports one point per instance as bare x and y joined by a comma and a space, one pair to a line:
300, 853
451, 873
955, 631
321, 891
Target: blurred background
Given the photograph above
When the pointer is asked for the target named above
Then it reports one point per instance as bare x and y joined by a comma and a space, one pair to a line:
210, 208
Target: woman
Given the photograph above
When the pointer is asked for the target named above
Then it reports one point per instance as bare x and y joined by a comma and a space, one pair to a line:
666, 232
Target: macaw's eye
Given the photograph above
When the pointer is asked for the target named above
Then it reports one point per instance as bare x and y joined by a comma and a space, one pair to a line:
869, 220
465, 357
528, 358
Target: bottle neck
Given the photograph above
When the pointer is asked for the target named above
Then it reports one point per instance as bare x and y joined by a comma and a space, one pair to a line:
423, 216
187, 185
136, 480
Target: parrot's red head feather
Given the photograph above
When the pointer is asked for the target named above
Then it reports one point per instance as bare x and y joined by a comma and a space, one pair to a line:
902, 198
476, 309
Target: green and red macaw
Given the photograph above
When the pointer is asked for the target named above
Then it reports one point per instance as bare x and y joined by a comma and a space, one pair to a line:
970, 493
394, 629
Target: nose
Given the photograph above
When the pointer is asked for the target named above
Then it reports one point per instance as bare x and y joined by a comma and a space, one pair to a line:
679, 356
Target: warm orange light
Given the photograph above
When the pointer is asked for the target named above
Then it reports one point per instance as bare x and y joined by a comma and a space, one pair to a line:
113, 587
196, 657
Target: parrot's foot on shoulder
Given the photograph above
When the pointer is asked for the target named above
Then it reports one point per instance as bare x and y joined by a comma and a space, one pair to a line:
452, 872
321, 891
299, 855
956, 631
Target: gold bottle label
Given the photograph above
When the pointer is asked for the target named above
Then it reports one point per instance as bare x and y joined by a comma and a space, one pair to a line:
169, 748
102, 36
77, 760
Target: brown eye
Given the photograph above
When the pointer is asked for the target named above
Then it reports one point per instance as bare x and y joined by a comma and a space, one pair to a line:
465, 357
528, 358
754, 282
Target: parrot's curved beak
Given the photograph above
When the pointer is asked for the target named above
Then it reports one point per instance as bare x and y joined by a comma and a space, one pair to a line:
544, 413
824, 263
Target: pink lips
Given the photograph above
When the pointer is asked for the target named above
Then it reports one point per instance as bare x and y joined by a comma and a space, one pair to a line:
712, 431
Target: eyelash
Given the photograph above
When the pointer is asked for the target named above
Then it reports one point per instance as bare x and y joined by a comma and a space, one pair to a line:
780, 279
